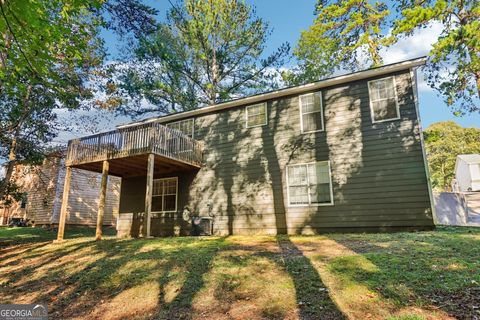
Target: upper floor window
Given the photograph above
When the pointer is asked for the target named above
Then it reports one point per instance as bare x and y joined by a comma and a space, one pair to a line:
383, 100
311, 112
256, 115
309, 184
164, 196
185, 126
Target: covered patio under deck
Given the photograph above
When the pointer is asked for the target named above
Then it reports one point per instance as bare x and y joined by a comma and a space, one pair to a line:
141, 150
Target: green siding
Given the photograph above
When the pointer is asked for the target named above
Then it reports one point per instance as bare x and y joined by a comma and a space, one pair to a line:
378, 172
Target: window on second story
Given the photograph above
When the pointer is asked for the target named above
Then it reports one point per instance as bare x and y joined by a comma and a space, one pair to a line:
383, 100
311, 112
186, 126
256, 115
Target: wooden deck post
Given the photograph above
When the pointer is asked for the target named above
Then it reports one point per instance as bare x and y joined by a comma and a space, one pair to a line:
101, 200
63, 211
149, 191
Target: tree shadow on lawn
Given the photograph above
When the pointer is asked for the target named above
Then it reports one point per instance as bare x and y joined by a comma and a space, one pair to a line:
166, 279
437, 270
267, 278
313, 299
29, 235
20, 241
81, 279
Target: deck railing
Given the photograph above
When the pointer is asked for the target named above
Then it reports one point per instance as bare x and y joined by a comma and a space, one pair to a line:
136, 140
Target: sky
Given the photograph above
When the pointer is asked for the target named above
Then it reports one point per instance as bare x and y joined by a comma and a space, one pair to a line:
288, 18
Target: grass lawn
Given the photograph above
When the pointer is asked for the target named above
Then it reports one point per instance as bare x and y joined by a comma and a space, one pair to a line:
426, 275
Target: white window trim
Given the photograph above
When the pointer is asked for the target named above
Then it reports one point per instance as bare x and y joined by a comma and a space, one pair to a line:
246, 115
372, 114
163, 196
189, 119
331, 203
301, 113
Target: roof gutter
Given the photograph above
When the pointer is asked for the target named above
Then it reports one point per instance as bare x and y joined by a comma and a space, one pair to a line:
360, 75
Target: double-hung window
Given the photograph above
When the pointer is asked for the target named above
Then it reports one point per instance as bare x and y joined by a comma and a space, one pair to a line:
185, 126
164, 197
311, 112
309, 184
256, 115
383, 100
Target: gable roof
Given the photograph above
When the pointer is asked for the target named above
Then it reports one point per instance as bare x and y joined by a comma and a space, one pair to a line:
469, 158
359, 75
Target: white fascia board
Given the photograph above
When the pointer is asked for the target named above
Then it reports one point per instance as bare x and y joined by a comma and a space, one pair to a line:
360, 75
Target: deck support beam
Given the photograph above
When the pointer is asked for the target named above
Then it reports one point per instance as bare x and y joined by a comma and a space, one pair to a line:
101, 202
63, 211
149, 192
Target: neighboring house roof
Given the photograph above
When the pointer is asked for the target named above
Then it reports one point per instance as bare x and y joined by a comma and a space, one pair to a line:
360, 75
469, 158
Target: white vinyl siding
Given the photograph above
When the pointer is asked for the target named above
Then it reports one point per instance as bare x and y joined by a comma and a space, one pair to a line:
256, 115
311, 112
309, 184
186, 126
475, 172
165, 192
383, 100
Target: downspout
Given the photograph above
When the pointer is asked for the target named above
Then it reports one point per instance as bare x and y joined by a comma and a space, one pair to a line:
413, 76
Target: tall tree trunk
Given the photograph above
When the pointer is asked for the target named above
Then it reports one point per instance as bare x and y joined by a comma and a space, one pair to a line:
12, 154
474, 55
374, 54
213, 90
12, 159
477, 79
475, 61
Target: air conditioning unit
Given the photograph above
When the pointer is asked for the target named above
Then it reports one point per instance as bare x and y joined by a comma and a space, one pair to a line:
202, 226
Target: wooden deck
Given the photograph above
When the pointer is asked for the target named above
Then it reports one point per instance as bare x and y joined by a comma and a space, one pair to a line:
127, 150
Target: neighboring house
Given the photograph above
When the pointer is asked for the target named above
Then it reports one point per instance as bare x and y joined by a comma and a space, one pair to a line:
43, 187
457, 208
342, 154
467, 173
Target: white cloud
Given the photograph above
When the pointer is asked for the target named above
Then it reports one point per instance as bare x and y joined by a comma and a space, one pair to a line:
418, 44
422, 83
2, 171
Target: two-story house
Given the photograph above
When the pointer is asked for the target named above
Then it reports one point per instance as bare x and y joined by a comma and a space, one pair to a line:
341, 154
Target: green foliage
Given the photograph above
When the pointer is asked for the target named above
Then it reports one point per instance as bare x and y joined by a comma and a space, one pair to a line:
344, 34
206, 52
454, 69
38, 34
12, 193
48, 53
126, 17
443, 142
48, 50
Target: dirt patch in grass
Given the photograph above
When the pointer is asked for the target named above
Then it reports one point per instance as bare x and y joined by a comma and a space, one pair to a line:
464, 303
